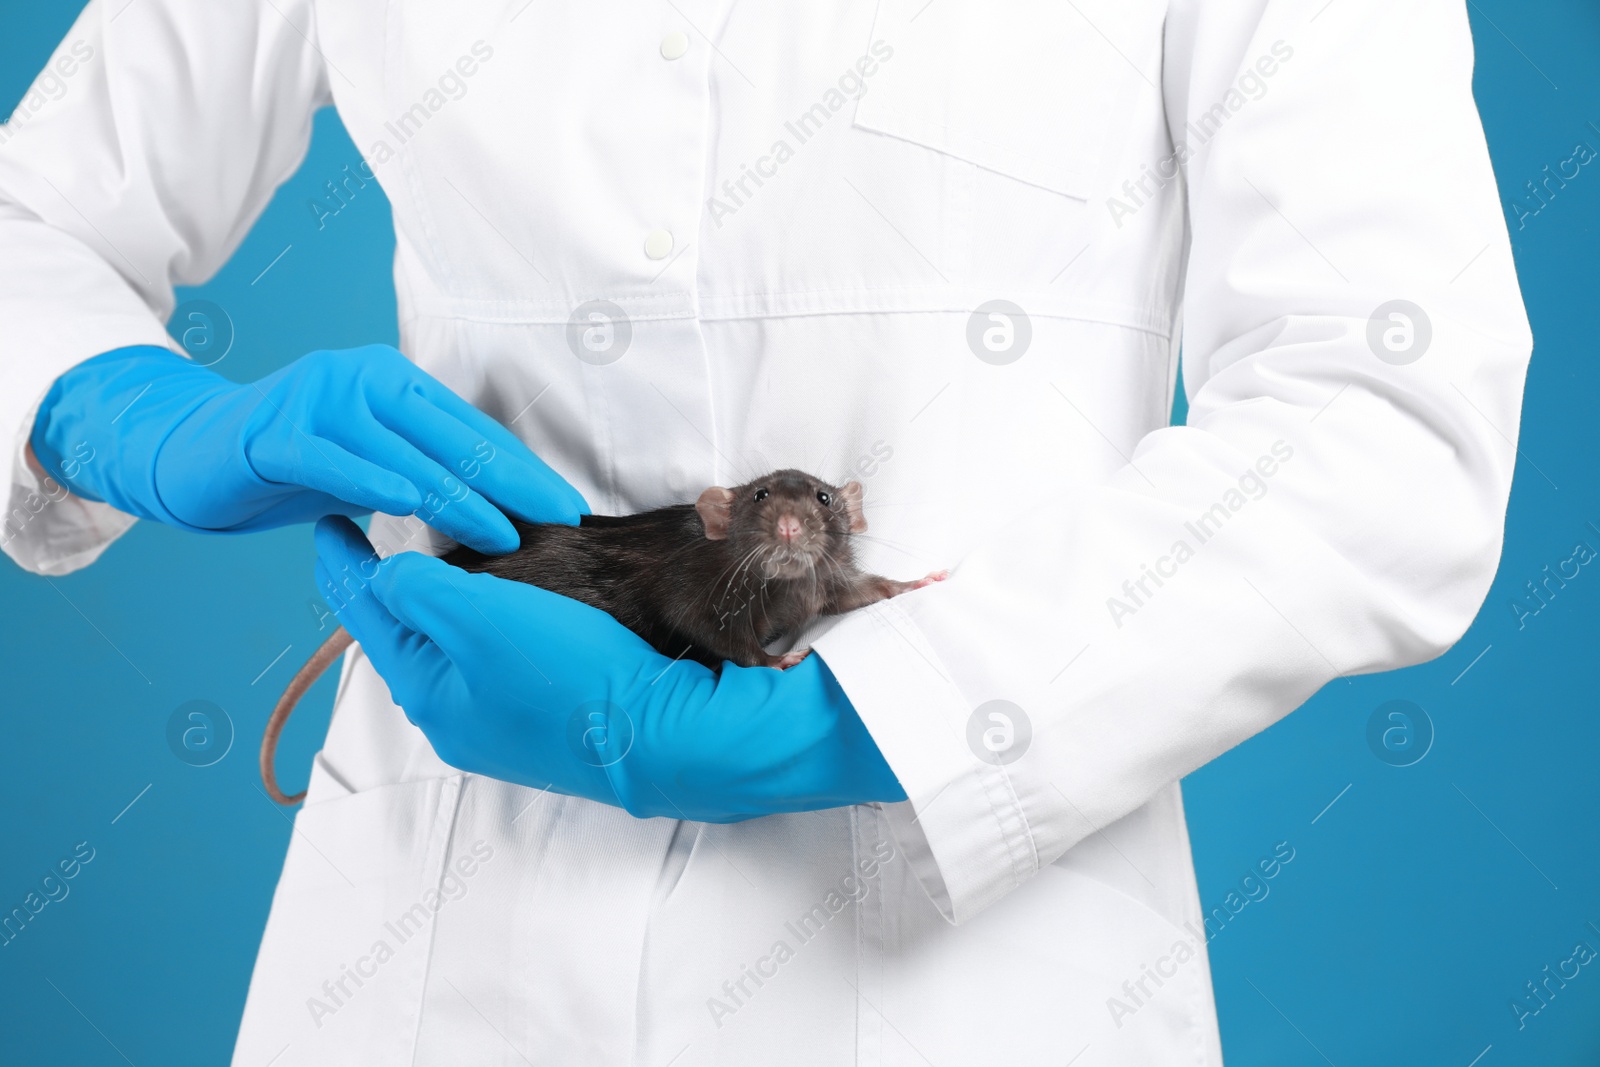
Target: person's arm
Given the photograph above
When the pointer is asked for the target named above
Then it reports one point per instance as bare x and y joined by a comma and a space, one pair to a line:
178, 122
1360, 178
174, 123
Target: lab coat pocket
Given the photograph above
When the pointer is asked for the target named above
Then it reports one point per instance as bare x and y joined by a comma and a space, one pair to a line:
340, 974
1025, 89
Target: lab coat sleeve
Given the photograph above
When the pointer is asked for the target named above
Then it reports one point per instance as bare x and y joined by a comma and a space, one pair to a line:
138, 160
1362, 501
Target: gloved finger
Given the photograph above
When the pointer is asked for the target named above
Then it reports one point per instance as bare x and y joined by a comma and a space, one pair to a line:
509, 475
465, 614
552, 486
324, 466
448, 503
346, 567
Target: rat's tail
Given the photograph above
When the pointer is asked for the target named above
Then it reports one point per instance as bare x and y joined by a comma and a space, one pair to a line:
307, 676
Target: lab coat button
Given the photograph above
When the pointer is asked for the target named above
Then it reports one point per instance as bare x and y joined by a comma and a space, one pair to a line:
674, 45
658, 245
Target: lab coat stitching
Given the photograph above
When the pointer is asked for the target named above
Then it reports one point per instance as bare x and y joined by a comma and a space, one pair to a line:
934, 297
950, 291
1085, 316
1021, 867
682, 300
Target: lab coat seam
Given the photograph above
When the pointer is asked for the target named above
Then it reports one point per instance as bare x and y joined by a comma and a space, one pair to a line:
1156, 319
1174, 364
1166, 333
1021, 867
1144, 905
658, 899
913, 131
451, 308
871, 949
913, 123
1202, 1001
314, 24
893, 111
605, 440
860, 926
949, 299
712, 411
449, 796
985, 776
407, 156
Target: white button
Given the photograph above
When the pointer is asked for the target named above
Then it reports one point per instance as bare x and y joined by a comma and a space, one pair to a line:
674, 45
658, 245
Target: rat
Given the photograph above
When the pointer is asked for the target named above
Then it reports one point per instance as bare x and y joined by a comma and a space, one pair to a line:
710, 581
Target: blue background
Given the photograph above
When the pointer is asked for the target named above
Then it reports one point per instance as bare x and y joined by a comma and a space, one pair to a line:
1415, 909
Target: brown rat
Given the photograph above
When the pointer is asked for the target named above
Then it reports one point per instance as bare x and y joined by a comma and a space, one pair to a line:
710, 581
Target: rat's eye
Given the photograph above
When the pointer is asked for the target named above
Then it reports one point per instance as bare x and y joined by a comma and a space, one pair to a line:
823, 498
761, 494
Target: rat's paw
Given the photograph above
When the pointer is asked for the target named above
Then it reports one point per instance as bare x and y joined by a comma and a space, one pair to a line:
933, 576
788, 659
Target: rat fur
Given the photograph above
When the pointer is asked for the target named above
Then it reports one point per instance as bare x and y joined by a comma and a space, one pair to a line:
710, 581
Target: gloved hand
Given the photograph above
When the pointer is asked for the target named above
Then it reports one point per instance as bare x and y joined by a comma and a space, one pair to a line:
521, 684
334, 432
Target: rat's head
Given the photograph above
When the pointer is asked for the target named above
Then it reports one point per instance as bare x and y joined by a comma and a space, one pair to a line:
789, 520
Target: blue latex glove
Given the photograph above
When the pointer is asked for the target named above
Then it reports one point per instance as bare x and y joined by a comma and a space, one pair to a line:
334, 432
521, 684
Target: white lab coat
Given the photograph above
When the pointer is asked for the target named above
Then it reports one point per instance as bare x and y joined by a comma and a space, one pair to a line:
1148, 596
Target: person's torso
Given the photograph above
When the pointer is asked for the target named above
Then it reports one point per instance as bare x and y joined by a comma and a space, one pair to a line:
868, 240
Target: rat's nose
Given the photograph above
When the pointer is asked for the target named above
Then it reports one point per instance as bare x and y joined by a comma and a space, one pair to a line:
788, 528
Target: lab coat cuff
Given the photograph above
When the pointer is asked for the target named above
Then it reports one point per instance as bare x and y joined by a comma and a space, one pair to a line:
962, 829
47, 529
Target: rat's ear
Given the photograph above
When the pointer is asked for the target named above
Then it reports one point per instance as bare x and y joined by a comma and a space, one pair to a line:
714, 506
852, 507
